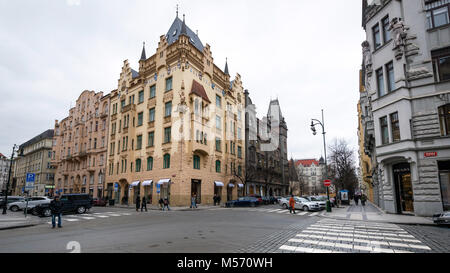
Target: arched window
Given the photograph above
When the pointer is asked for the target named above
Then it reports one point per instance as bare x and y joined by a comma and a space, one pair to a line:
138, 165
149, 163
218, 166
166, 161
196, 162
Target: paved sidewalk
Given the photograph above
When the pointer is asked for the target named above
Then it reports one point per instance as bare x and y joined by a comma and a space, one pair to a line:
152, 207
372, 213
14, 221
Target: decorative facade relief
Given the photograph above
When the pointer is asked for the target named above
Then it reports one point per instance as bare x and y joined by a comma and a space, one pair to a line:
399, 33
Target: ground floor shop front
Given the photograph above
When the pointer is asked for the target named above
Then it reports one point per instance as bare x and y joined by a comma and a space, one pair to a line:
178, 192
415, 182
264, 189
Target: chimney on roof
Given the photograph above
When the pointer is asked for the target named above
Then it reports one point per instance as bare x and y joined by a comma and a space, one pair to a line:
183, 27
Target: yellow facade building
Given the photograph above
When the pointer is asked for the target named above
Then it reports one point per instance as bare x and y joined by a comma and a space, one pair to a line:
177, 126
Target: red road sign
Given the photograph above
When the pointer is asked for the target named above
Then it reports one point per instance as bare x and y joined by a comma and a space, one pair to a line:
327, 183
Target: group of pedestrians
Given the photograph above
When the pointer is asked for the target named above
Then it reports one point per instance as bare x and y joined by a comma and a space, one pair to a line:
362, 197
142, 205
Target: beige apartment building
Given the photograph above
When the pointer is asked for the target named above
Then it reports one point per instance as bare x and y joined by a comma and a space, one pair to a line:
176, 126
80, 145
35, 157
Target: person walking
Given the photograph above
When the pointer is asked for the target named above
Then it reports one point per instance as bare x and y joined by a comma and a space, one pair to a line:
363, 199
144, 204
166, 203
193, 201
218, 200
56, 208
292, 205
356, 198
138, 202
215, 199
161, 203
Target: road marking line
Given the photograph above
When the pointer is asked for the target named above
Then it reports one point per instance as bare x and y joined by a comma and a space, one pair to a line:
305, 249
363, 248
343, 246
420, 247
72, 220
273, 210
114, 214
326, 244
289, 248
87, 218
102, 216
399, 245
302, 213
313, 214
296, 240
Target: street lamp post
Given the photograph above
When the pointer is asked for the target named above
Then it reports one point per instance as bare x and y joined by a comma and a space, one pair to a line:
313, 129
9, 177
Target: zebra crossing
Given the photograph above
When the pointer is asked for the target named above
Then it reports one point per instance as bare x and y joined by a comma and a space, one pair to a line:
339, 236
280, 211
91, 216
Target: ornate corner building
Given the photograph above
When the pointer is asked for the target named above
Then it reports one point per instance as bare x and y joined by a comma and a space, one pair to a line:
405, 105
176, 126
79, 146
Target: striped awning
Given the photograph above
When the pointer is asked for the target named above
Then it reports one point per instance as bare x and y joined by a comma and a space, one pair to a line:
218, 183
162, 181
230, 185
135, 184
147, 183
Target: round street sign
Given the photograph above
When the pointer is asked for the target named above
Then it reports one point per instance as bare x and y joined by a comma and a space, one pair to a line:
327, 183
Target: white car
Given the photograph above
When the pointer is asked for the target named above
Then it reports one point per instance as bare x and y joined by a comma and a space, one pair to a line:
32, 202
300, 203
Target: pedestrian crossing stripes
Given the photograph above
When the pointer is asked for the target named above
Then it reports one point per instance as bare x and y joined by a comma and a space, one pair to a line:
92, 216
331, 236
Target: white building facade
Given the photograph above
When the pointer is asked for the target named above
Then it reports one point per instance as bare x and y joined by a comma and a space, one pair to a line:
406, 63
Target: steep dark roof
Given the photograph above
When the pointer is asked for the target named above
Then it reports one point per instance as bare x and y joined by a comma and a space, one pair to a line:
177, 28
134, 73
143, 56
226, 68
199, 90
44, 135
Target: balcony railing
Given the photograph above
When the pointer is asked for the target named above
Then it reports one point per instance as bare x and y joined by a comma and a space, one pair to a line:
129, 107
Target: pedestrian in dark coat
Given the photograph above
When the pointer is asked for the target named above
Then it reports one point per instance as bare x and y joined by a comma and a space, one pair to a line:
218, 200
363, 199
166, 203
138, 203
144, 204
215, 199
356, 198
56, 207
161, 203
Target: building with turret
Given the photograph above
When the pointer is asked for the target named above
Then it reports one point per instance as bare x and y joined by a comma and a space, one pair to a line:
176, 125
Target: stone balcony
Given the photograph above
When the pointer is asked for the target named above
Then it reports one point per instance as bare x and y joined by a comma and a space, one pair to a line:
129, 107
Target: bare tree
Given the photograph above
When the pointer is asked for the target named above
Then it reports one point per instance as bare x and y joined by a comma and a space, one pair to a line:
342, 166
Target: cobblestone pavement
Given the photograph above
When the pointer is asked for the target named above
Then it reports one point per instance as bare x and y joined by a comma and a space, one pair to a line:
437, 237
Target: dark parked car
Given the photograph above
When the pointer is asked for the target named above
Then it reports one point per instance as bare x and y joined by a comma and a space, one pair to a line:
99, 202
243, 202
442, 218
260, 200
266, 200
78, 203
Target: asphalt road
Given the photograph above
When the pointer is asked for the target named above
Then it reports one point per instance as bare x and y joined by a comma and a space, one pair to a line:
267, 229
200, 231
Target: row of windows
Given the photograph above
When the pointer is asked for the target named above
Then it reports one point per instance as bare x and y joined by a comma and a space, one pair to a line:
166, 165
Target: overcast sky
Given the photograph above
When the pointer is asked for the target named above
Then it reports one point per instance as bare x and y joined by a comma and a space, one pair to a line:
305, 53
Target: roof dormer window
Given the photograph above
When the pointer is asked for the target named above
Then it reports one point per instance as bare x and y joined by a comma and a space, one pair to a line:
174, 32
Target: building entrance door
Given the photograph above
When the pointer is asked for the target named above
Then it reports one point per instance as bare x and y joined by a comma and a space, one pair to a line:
229, 193
196, 188
403, 188
444, 179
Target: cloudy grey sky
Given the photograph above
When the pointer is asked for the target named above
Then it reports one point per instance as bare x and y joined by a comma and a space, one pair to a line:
305, 53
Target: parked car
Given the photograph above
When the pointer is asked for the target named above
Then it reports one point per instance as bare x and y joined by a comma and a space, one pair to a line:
273, 200
300, 203
243, 202
260, 200
32, 202
321, 200
442, 218
78, 203
266, 200
11, 199
99, 202
278, 198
